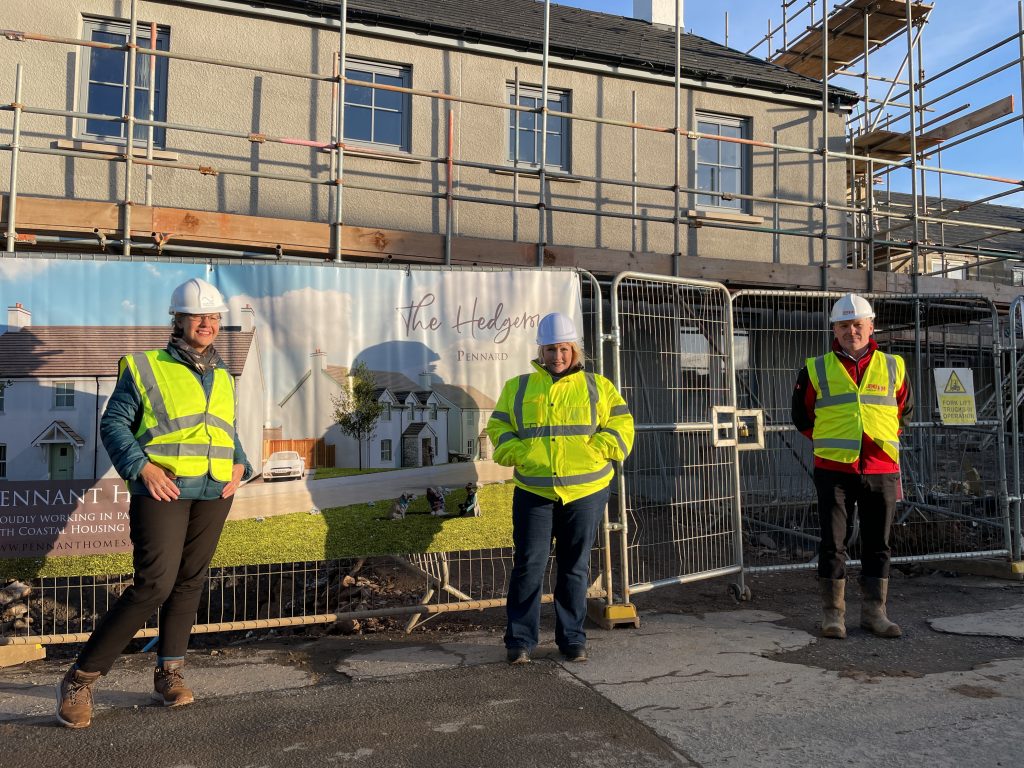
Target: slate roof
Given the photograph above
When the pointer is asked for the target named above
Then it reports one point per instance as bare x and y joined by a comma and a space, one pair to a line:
983, 213
48, 351
575, 33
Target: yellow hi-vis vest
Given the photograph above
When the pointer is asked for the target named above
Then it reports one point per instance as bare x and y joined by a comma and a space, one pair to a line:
843, 412
561, 436
180, 430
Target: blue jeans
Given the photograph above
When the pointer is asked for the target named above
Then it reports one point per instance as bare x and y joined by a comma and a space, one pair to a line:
535, 521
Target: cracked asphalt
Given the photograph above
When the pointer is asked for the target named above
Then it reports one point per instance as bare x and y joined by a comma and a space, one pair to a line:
703, 682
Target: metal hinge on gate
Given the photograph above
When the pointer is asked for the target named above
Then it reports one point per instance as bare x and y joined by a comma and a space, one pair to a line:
743, 428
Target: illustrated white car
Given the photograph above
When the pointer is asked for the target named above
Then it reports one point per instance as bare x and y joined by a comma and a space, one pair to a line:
284, 464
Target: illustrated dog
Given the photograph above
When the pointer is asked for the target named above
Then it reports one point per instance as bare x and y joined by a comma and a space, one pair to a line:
401, 506
471, 506
435, 500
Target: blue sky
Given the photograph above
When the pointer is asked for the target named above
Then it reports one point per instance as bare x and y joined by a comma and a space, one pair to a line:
956, 30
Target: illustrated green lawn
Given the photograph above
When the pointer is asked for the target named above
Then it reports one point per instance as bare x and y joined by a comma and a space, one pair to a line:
358, 530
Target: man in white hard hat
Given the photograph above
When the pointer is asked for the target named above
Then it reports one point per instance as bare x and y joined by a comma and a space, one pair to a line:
852, 402
170, 430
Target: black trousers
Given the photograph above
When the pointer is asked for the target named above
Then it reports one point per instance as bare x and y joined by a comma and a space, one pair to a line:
174, 542
874, 497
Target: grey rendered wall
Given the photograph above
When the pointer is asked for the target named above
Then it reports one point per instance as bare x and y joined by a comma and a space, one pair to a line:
244, 101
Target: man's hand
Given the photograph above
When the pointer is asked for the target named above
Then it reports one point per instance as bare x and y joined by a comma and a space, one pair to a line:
236, 477
159, 482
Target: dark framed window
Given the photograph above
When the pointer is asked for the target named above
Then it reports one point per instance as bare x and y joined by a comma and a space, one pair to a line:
3, 460
723, 166
373, 116
103, 82
64, 394
526, 151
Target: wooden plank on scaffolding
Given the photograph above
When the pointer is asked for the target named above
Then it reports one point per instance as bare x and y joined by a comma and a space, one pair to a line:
80, 217
970, 121
884, 19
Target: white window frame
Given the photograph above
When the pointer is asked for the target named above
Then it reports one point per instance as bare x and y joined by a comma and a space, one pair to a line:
743, 166
85, 57
385, 449
385, 414
564, 99
3, 395
3, 461
1016, 279
471, 447
374, 69
433, 413
63, 389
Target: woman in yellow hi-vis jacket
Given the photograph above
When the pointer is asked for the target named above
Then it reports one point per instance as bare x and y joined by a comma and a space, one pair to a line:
561, 428
169, 428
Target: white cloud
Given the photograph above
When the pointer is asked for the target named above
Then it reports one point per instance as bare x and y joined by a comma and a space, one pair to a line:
292, 325
18, 269
128, 305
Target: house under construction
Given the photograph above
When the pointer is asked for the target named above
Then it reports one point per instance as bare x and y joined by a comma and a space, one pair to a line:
226, 128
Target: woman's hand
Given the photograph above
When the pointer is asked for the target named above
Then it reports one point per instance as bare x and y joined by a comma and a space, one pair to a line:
236, 477
159, 482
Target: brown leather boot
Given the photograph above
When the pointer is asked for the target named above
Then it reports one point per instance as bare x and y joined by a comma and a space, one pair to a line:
833, 604
169, 684
74, 698
872, 608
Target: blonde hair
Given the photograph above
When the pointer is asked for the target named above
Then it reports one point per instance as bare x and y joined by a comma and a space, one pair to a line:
578, 357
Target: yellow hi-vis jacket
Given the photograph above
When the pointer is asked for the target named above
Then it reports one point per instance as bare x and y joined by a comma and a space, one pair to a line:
179, 429
561, 436
844, 412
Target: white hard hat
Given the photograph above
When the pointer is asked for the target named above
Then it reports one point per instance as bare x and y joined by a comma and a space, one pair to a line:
197, 297
556, 328
850, 307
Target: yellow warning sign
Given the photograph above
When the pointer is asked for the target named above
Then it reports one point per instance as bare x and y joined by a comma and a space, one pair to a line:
955, 390
954, 386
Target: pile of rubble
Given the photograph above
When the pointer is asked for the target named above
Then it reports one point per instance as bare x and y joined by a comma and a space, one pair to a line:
14, 609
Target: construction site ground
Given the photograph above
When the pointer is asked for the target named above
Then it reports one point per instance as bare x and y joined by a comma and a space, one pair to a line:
704, 681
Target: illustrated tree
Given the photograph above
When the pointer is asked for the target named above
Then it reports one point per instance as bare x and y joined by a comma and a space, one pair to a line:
356, 409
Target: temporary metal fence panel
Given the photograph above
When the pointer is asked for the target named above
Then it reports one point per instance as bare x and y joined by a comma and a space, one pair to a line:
1014, 333
678, 499
953, 476
361, 592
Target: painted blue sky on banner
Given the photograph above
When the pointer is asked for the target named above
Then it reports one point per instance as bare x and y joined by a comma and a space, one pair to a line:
462, 327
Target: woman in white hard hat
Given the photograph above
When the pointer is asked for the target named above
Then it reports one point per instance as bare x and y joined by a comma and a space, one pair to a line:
561, 428
851, 403
169, 428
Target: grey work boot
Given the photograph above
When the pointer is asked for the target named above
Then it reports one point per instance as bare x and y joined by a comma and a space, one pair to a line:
872, 609
74, 698
833, 605
169, 685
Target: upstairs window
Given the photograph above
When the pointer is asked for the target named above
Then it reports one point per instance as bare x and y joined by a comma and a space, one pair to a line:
3, 461
64, 394
529, 125
722, 166
373, 116
103, 82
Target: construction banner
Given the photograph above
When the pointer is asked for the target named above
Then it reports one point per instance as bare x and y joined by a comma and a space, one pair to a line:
955, 390
432, 349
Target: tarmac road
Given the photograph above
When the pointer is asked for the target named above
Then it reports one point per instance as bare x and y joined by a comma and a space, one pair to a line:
263, 499
703, 682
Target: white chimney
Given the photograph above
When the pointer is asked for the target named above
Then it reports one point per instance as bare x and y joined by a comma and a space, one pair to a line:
18, 317
319, 360
658, 11
426, 380
248, 323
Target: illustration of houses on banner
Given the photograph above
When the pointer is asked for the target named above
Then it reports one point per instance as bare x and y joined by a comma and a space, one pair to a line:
422, 422
62, 376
